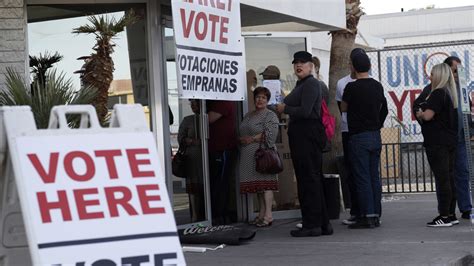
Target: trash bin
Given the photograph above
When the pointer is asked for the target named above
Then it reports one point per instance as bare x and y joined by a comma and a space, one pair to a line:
331, 187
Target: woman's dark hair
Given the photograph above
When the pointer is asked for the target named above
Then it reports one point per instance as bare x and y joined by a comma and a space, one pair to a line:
264, 90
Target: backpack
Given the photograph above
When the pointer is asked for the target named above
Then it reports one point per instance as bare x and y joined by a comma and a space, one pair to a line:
328, 120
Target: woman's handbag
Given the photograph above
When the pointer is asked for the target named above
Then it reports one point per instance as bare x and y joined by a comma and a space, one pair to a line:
178, 164
267, 160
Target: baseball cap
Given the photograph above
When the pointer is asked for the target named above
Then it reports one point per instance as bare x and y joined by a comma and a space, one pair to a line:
271, 71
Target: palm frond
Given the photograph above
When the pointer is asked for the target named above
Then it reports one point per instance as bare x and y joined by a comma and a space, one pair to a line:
17, 92
57, 90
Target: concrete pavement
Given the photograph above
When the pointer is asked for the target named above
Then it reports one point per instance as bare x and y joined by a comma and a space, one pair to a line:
402, 239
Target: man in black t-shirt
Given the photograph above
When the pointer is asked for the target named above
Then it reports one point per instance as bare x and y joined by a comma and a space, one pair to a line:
366, 108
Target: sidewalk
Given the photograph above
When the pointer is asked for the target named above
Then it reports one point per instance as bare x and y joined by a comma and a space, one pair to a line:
402, 239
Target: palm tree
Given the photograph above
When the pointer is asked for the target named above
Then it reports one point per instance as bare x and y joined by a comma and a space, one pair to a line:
40, 64
56, 90
98, 68
341, 45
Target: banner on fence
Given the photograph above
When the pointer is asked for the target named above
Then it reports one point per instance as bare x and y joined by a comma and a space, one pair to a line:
405, 72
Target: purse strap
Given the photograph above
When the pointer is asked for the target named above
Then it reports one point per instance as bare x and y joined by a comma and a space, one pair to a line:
182, 146
263, 139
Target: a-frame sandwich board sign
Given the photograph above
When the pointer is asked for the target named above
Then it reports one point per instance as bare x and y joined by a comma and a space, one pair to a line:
88, 196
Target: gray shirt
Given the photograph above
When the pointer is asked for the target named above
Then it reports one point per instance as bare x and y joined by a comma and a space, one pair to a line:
304, 101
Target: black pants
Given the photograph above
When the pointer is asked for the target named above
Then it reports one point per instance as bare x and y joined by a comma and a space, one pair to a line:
220, 173
442, 160
306, 143
355, 211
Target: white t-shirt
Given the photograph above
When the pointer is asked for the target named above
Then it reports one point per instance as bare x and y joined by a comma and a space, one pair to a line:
341, 85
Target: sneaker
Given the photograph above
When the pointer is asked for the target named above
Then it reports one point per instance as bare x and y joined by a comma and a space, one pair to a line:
351, 220
299, 225
454, 220
440, 222
466, 215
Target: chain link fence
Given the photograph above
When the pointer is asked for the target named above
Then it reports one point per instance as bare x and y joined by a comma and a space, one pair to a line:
404, 72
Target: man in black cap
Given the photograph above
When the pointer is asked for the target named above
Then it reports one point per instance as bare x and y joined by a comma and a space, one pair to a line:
307, 138
366, 107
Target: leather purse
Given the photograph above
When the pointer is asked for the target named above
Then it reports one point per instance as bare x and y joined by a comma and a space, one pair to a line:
178, 164
267, 160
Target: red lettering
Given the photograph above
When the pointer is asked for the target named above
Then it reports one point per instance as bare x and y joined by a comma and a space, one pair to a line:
135, 163
229, 5
212, 3
109, 160
399, 104
68, 166
186, 26
220, 5
50, 176
145, 199
200, 35
113, 201
45, 206
224, 29
82, 203
413, 95
214, 19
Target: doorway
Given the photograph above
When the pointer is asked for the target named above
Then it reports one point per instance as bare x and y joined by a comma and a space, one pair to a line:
261, 51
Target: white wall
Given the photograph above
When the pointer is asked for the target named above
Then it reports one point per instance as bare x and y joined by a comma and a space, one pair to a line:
12, 38
423, 26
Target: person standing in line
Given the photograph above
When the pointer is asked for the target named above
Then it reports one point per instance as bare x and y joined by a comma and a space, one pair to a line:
307, 138
324, 87
188, 134
222, 146
366, 108
340, 87
461, 176
440, 132
252, 127
325, 97
461, 172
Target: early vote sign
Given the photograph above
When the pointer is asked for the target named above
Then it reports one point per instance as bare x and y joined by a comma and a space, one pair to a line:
95, 199
209, 49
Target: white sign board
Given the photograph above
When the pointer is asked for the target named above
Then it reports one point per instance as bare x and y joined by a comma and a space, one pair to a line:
463, 90
209, 49
274, 86
94, 199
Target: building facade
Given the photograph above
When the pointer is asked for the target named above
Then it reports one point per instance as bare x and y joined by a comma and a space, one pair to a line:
272, 34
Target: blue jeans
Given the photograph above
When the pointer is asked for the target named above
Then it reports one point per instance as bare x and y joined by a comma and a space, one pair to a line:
365, 151
461, 178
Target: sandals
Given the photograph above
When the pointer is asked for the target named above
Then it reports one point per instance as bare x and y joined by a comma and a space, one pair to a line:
255, 221
264, 223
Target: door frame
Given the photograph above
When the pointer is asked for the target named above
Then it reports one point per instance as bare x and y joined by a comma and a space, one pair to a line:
248, 203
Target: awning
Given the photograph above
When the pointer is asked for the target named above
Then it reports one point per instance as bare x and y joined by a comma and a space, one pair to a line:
289, 17
256, 15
